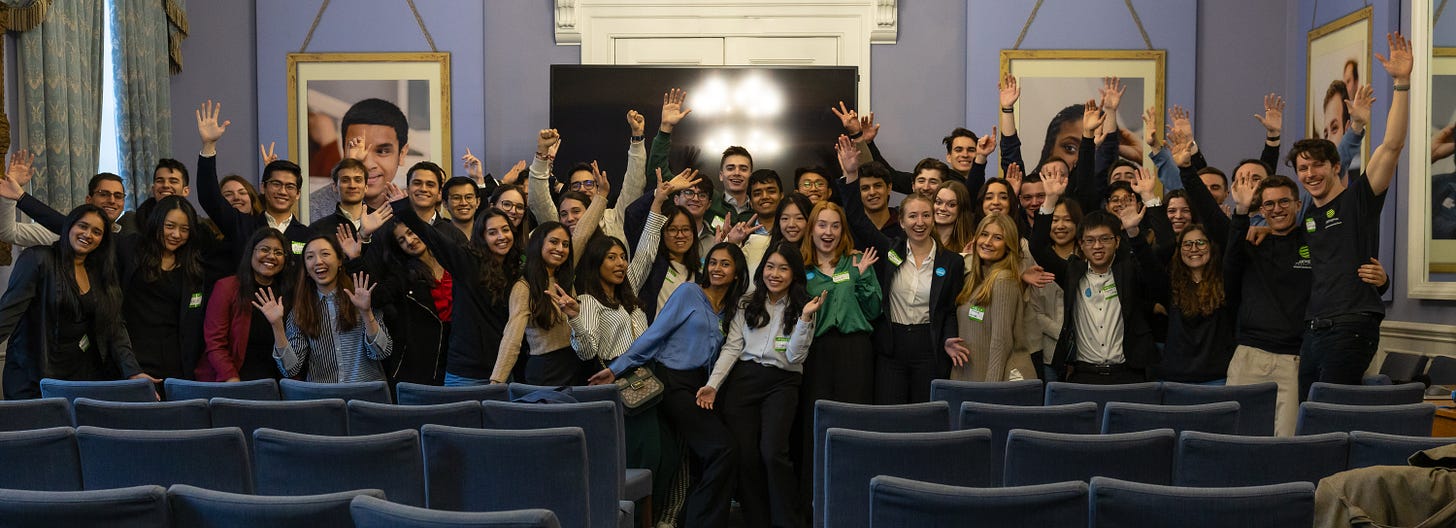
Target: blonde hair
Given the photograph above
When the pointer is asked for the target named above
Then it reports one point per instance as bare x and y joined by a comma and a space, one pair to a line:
977, 289
842, 248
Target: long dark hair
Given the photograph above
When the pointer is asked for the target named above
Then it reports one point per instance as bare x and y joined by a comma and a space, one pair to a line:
589, 274
755, 305
248, 285
149, 251
690, 259
526, 218
100, 267
1197, 298
543, 311
1013, 209
308, 310
400, 262
799, 201
497, 272
735, 288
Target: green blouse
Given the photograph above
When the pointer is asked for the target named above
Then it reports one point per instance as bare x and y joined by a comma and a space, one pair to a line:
854, 297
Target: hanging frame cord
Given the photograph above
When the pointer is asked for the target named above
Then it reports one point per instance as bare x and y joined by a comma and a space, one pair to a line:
1136, 20
1139, 22
311, 28
1027, 25
320, 16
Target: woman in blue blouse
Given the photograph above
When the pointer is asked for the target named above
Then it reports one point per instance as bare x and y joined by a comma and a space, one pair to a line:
682, 345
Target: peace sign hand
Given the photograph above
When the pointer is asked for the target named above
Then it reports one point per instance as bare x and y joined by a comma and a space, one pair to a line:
847, 117
472, 167
267, 154
564, 301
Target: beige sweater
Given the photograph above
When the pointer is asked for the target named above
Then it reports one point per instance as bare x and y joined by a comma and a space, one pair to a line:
520, 324
991, 335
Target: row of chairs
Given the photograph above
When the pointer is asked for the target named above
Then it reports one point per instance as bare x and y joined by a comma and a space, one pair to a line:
182, 505
139, 390
1045, 444
1107, 502
1400, 367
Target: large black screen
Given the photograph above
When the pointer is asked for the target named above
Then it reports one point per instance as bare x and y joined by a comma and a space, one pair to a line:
781, 115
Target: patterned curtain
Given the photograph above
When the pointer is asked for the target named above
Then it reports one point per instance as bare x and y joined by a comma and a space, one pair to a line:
141, 55
60, 99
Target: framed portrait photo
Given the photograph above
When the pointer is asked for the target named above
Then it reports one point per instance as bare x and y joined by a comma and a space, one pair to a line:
1338, 57
398, 102
1442, 253
1055, 84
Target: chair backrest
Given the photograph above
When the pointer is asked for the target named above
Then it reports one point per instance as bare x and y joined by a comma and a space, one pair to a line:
1256, 402
370, 512
605, 443
129, 507
1442, 371
320, 417
1219, 460
926, 417
1121, 503
1379, 449
203, 508
1403, 367
40, 413
582, 393
301, 464
1367, 394
375, 391
132, 390
215, 459
1123, 417
1035, 457
407, 393
40, 460
852, 458
259, 389
1072, 418
367, 417
484, 470
1410, 420
155, 416
903, 503
1060, 393
1022, 392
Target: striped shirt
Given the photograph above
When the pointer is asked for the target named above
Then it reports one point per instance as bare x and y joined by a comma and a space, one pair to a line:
334, 356
602, 332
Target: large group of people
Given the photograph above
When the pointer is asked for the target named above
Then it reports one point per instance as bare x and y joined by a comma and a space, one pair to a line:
749, 299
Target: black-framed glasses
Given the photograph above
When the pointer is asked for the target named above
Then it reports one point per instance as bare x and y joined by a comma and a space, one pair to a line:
1282, 203
1105, 240
1199, 243
582, 185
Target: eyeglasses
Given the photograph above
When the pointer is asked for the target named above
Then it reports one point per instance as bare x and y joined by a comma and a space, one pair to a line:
265, 251
108, 195
462, 197
1104, 240
1123, 200
811, 184
275, 185
509, 206
1282, 203
584, 184
680, 231
689, 194
1199, 243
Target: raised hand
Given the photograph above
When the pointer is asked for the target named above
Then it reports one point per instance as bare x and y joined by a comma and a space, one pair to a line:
706, 395
362, 293
1038, 277
350, 244
848, 153
1143, 183
814, 304
208, 129
955, 347
1372, 273
373, 220
1273, 116
1014, 176
636, 122
269, 305
21, 168
545, 143
356, 148
672, 109
1242, 191
604, 186
1111, 93
739, 232
1444, 144
1179, 122
684, 180
847, 118
472, 166
1054, 180
392, 193
1150, 128
1180, 144
1008, 91
564, 301
513, 174
267, 154
1092, 118
1359, 106
986, 145
869, 258
868, 126
1400, 62
1131, 217
9, 189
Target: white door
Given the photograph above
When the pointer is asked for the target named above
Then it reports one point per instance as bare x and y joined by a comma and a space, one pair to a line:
689, 51
781, 51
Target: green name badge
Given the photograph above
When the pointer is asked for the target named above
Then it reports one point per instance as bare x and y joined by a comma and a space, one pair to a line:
976, 313
298, 248
781, 344
895, 258
1309, 225
195, 301
841, 277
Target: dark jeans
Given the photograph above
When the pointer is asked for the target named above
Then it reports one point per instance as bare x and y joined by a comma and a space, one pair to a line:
904, 375
1337, 351
758, 404
715, 462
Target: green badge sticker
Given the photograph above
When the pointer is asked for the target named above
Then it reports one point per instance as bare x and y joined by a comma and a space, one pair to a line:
298, 248
976, 313
1303, 251
85, 343
1329, 213
895, 258
841, 277
781, 344
195, 301
1309, 225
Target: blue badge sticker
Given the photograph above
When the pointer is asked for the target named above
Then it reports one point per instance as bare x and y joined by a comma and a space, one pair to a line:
809, 275
1087, 292
939, 272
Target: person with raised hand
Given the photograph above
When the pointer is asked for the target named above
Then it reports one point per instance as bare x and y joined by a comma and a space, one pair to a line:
333, 330
282, 183
536, 318
12, 188
667, 254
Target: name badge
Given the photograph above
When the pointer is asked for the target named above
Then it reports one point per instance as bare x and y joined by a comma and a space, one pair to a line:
781, 344
976, 313
1309, 225
895, 258
195, 301
671, 273
841, 277
1110, 291
85, 343
717, 221
298, 248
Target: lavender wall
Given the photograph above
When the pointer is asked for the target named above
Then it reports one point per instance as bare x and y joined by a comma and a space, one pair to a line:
1240, 59
918, 87
219, 63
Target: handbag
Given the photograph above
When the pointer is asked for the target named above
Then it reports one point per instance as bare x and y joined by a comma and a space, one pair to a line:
639, 387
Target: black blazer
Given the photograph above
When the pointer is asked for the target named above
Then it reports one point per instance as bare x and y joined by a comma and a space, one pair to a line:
945, 281
1135, 292
406, 300
236, 226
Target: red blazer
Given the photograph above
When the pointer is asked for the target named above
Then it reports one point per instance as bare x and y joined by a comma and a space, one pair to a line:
224, 333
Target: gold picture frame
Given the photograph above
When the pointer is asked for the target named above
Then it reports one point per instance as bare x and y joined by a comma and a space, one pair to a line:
326, 85
1442, 253
1047, 77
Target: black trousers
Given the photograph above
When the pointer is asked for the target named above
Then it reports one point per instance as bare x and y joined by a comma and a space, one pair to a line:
840, 367
561, 367
1117, 375
758, 403
904, 375
708, 441
1338, 352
